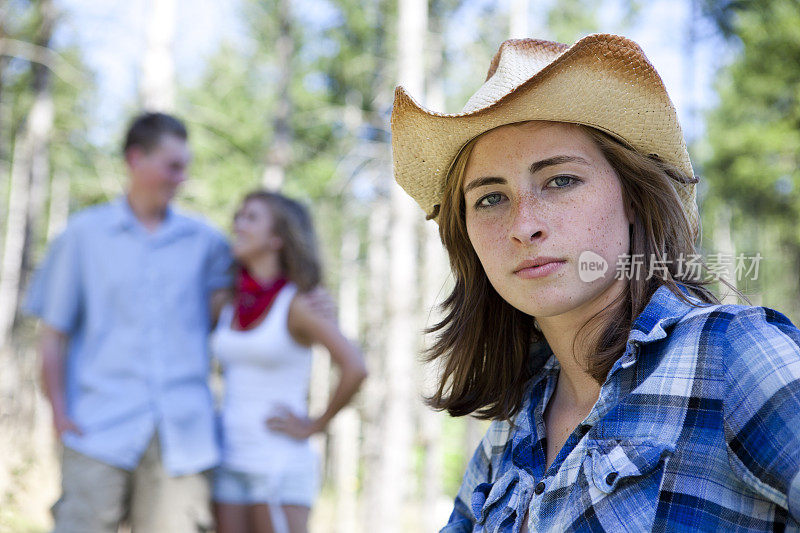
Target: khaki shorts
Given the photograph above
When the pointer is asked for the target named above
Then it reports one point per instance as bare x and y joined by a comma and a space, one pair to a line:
97, 497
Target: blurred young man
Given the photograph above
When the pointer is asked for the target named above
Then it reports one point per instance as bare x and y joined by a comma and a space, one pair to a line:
123, 297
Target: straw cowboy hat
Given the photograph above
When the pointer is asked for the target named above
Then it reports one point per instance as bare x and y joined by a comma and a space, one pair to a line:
603, 81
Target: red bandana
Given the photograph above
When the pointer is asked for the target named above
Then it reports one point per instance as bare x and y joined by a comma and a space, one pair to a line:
253, 299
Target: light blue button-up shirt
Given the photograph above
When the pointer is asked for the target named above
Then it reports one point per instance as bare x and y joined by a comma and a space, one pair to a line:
135, 306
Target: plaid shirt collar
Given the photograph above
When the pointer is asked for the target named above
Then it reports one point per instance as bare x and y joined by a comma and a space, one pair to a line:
699, 430
664, 310
527, 432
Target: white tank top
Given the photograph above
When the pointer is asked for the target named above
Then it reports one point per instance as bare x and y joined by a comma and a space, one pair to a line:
263, 368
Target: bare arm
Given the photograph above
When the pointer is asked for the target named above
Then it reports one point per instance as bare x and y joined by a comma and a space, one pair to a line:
219, 298
307, 325
53, 350
320, 303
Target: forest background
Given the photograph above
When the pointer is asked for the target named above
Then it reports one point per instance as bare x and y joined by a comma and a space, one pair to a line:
296, 95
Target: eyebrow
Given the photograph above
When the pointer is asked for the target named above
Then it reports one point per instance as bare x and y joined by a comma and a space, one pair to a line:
556, 160
535, 167
480, 182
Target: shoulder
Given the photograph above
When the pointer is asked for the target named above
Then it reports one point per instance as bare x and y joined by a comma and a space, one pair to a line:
302, 320
84, 225
759, 349
300, 310
738, 330
195, 221
200, 225
761, 340
90, 219
760, 320
742, 339
752, 333
761, 402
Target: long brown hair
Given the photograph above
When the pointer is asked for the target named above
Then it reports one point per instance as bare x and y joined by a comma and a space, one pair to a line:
299, 258
485, 344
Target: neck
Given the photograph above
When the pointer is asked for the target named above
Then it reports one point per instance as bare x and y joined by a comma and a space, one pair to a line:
265, 267
144, 210
573, 352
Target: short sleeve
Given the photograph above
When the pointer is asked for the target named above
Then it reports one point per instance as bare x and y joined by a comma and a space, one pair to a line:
220, 262
55, 293
762, 404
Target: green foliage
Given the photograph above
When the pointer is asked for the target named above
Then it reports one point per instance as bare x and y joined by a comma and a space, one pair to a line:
333, 68
227, 116
455, 458
569, 19
753, 149
70, 152
755, 131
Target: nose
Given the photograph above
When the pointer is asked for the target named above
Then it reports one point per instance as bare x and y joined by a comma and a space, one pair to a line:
237, 225
527, 224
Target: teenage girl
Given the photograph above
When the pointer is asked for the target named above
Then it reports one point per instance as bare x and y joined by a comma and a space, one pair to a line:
623, 396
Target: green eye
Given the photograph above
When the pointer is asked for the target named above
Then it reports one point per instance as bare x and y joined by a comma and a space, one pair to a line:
490, 199
562, 181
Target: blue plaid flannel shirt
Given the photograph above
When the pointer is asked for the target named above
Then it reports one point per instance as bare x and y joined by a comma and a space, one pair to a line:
697, 427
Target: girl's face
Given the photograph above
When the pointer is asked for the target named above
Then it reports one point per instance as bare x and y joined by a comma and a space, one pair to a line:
253, 235
539, 195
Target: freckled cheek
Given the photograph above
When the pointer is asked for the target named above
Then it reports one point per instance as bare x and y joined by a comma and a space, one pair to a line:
488, 242
611, 233
599, 228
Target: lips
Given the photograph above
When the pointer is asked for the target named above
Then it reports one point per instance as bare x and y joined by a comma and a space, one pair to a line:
537, 262
538, 267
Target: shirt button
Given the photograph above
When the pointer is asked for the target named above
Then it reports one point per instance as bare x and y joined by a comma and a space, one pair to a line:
610, 478
539, 488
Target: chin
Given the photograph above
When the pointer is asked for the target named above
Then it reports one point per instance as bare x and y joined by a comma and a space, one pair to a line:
543, 307
551, 301
238, 254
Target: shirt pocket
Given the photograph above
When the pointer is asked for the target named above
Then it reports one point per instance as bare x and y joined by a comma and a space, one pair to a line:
623, 478
613, 463
495, 503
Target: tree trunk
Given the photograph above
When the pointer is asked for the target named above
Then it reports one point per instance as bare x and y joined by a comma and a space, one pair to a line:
376, 305
434, 280
723, 242
59, 204
374, 390
29, 167
24, 442
433, 277
346, 424
158, 69
280, 153
40, 158
689, 66
403, 332
319, 392
518, 19
5, 126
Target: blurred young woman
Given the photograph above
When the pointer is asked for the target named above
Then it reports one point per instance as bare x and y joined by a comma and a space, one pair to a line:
268, 476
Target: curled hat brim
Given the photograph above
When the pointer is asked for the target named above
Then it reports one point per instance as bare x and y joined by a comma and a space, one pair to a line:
603, 81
